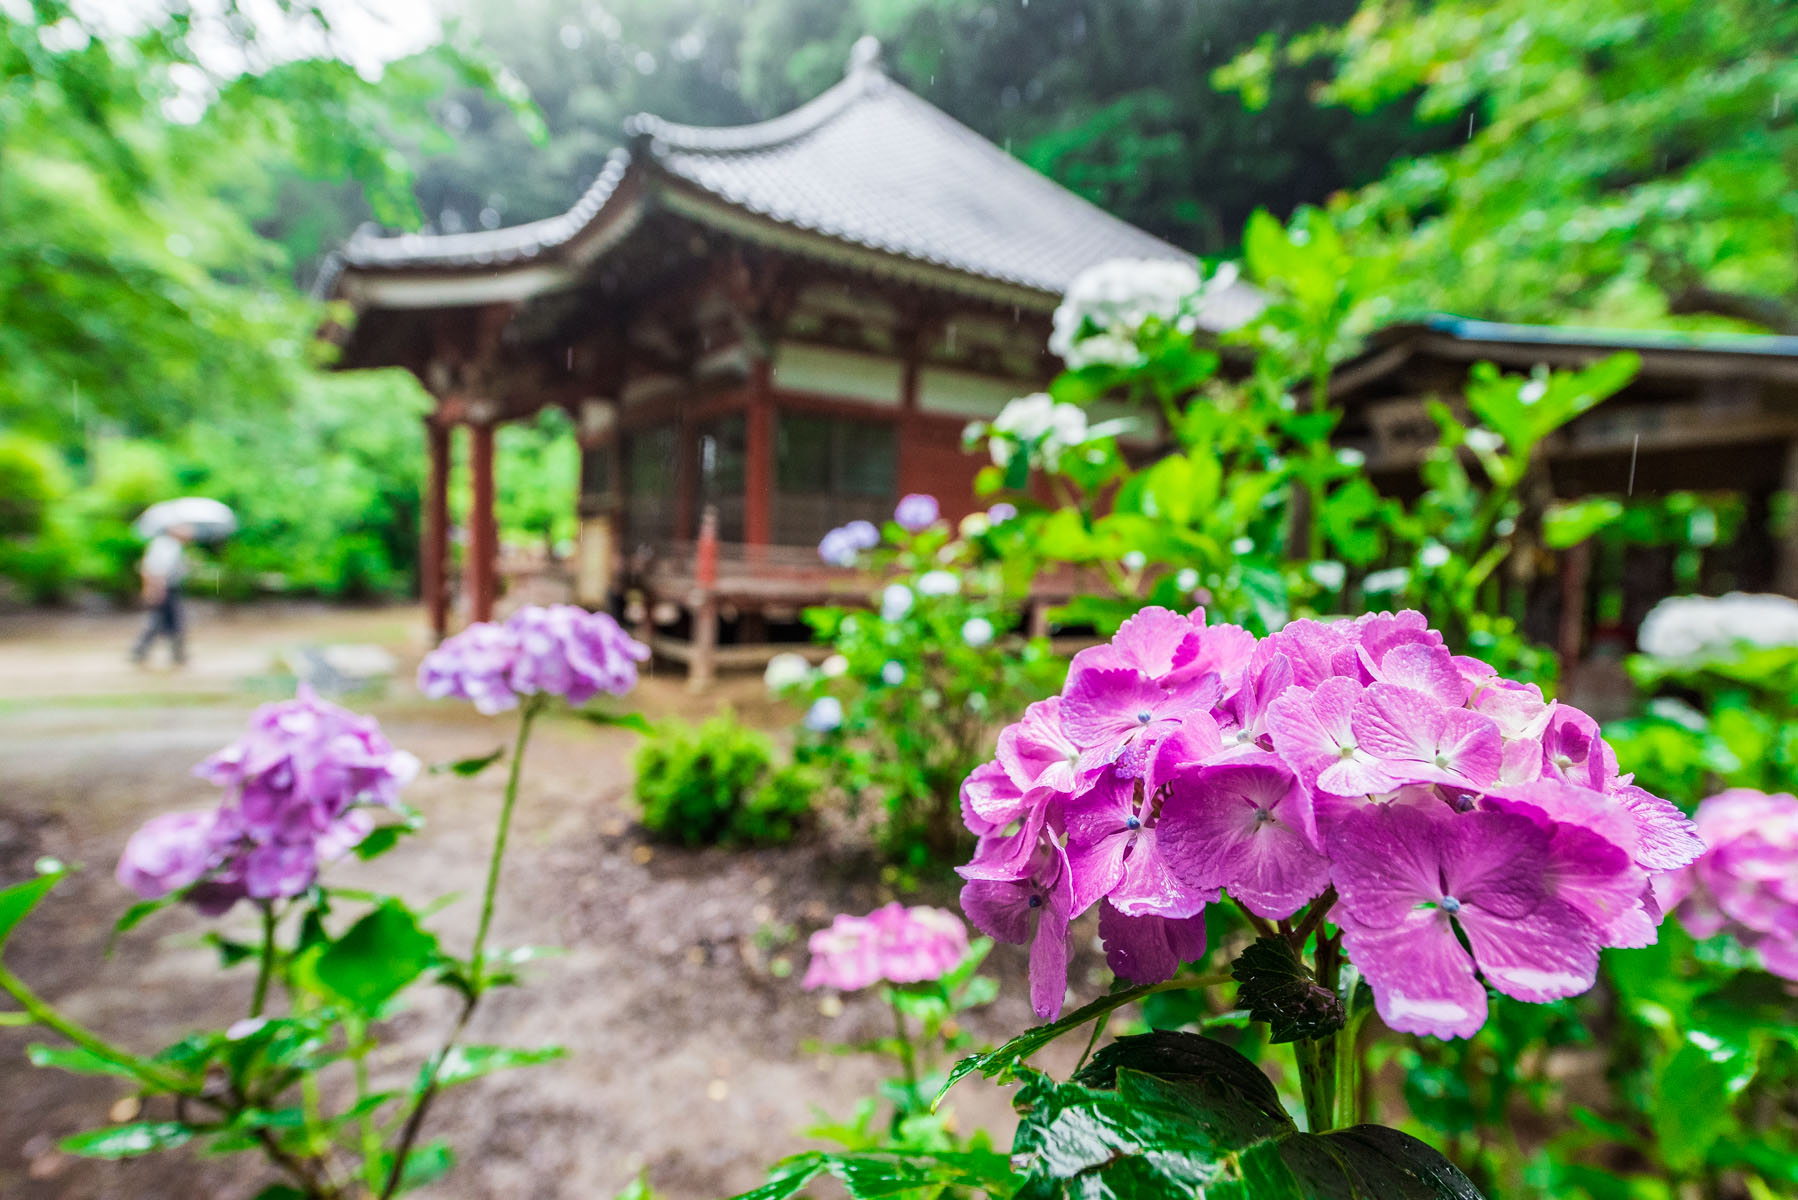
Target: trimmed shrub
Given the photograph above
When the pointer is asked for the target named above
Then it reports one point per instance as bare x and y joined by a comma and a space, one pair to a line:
717, 784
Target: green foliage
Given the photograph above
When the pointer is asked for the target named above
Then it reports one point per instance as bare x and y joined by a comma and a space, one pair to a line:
1166, 1114
920, 698
1627, 160
1276, 987
716, 784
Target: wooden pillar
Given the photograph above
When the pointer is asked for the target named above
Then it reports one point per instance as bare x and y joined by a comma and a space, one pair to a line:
483, 533
1576, 571
433, 557
758, 465
1785, 555
703, 605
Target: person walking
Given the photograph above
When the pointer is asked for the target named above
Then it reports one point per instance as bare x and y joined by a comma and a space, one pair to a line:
163, 568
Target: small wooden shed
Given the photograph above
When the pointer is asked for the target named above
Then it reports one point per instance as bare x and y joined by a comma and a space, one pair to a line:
786, 324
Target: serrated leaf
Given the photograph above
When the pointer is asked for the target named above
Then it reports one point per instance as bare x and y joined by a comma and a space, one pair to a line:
74, 1060
880, 1175
1277, 988
127, 1141
464, 1063
377, 956
1174, 1116
19, 899
1004, 1059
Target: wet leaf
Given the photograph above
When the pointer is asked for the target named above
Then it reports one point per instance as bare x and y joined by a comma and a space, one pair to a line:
1277, 988
127, 1141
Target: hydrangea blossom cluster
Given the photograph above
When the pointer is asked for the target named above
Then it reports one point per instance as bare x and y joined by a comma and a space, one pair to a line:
841, 545
297, 786
559, 650
1107, 305
1460, 826
916, 512
1684, 626
893, 943
1746, 884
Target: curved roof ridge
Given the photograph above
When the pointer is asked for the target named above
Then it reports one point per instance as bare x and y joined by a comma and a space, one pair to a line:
761, 135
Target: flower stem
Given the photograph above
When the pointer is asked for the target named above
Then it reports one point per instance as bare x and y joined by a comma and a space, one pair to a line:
265, 968
39, 1011
908, 1060
477, 959
1320, 1059
426, 1092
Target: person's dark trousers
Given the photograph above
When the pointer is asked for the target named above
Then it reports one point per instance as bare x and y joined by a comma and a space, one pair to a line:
164, 621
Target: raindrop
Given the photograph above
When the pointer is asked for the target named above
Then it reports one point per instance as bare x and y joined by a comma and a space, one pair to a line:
489, 218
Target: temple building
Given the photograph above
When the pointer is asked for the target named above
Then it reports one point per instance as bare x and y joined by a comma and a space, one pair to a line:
765, 331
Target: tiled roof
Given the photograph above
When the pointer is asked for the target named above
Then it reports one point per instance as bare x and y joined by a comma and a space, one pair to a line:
867, 164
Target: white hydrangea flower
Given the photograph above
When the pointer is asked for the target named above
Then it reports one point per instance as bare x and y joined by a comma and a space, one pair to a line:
938, 583
1683, 626
1106, 306
1391, 580
895, 601
834, 667
977, 631
786, 670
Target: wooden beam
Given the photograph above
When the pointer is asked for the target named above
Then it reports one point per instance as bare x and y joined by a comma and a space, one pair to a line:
1785, 564
483, 532
433, 559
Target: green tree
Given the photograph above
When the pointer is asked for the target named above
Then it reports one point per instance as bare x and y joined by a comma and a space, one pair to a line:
1630, 160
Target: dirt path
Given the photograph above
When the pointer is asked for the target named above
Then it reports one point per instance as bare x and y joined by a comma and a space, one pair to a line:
687, 1053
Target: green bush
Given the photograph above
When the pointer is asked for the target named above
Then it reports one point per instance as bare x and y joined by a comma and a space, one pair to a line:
716, 784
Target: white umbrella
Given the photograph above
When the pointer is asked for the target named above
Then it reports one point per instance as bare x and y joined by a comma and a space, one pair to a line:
207, 519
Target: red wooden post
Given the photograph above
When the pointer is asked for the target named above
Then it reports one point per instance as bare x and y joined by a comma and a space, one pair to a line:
1576, 570
483, 534
434, 553
758, 467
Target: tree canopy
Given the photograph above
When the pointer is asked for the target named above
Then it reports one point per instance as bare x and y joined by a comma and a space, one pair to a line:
1623, 160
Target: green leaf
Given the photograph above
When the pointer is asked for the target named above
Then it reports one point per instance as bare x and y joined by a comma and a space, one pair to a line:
468, 768
427, 1164
19, 899
127, 1141
877, 1175
1571, 522
380, 840
134, 916
464, 1063
1277, 988
75, 1060
635, 722
377, 956
1174, 1116
1002, 1061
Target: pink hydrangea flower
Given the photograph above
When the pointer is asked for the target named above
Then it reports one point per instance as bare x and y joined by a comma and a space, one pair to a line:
1183, 762
297, 786
893, 943
559, 650
1746, 883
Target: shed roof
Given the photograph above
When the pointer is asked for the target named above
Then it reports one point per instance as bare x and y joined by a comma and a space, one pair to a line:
866, 167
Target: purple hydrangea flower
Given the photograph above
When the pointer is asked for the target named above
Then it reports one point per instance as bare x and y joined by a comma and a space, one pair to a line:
168, 853
893, 943
297, 787
566, 651
825, 714
1183, 762
1001, 512
1746, 883
559, 650
474, 665
916, 511
862, 535
838, 548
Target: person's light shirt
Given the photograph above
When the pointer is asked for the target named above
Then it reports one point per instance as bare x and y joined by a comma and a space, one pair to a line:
165, 559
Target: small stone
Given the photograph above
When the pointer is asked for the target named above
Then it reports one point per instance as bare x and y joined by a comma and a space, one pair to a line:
717, 1090
641, 855
696, 955
125, 1109
831, 1005
764, 885
762, 914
